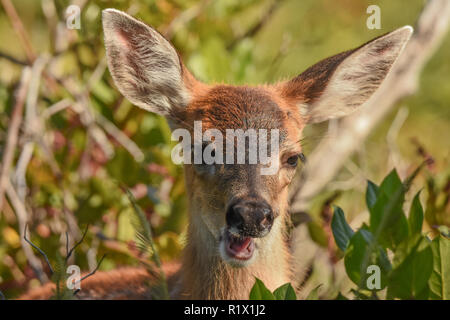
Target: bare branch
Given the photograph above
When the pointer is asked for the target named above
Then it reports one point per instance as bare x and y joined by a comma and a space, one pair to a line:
55, 108
258, 26
96, 123
69, 253
394, 155
13, 131
120, 137
32, 125
90, 273
67, 245
19, 29
87, 117
22, 218
97, 74
95, 270
183, 18
21, 168
37, 248
12, 59
402, 81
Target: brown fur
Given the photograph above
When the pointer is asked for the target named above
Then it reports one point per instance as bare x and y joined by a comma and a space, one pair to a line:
119, 284
206, 276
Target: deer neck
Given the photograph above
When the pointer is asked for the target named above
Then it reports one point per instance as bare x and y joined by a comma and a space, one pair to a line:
204, 275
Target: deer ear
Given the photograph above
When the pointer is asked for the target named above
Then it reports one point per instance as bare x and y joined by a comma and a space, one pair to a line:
145, 67
338, 85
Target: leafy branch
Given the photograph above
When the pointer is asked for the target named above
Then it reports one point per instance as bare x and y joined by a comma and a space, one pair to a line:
420, 266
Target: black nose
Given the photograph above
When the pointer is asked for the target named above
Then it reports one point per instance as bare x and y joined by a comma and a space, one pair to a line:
251, 218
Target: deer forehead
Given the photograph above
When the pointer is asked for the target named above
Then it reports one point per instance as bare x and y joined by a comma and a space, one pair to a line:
225, 107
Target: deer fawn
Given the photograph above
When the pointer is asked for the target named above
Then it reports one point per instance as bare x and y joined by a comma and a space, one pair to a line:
237, 215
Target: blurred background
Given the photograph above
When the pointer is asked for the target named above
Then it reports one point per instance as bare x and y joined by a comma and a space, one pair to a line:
79, 141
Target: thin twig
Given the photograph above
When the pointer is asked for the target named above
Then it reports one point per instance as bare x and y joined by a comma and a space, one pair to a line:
90, 273
97, 74
395, 157
37, 248
21, 168
32, 125
97, 123
184, 18
57, 107
87, 117
67, 245
69, 253
13, 59
91, 254
120, 137
95, 270
13, 131
22, 217
20, 30
258, 26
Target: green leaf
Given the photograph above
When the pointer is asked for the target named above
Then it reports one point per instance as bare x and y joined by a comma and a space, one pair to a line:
415, 218
260, 292
317, 233
391, 183
359, 295
285, 292
314, 294
361, 253
404, 249
388, 223
341, 230
372, 192
340, 296
439, 281
398, 231
409, 279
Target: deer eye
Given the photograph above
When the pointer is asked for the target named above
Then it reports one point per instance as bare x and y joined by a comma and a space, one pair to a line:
293, 160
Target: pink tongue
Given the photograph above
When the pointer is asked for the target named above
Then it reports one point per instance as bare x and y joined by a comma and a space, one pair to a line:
239, 245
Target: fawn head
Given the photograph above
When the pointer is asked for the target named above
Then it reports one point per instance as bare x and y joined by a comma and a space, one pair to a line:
235, 210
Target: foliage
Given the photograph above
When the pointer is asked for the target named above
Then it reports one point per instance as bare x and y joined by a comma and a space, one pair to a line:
260, 292
412, 265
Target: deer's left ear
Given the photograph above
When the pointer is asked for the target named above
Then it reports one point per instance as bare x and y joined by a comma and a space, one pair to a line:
338, 85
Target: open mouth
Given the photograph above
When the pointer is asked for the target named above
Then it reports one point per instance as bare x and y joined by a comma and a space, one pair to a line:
237, 247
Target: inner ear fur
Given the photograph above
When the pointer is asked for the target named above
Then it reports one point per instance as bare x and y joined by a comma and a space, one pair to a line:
145, 67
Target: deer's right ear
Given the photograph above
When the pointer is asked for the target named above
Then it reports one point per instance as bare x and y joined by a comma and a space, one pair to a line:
145, 67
